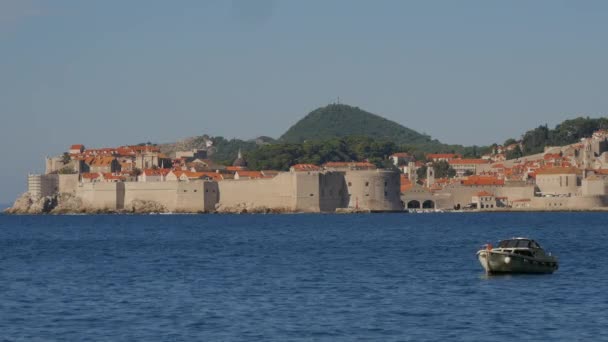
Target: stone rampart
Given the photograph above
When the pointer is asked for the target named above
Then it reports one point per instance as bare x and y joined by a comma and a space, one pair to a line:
277, 192
376, 190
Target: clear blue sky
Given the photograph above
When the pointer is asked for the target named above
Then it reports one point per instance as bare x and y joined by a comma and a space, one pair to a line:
116, 72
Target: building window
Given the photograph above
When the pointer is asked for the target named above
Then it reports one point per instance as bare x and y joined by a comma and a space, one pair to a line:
311, 195
385, 194
185, 190
195, 190
385, 184
350, 184
366, 183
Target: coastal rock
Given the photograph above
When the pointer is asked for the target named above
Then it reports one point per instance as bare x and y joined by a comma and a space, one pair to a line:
28, 204
250, 208
144, 207
69, 204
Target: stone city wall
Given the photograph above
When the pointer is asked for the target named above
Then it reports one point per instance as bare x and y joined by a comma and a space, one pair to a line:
568, 203
376, 190
175, 196
68, 183
277, 192
102, 195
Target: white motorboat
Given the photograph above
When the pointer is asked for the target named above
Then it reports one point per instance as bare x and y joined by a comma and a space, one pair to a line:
517, 255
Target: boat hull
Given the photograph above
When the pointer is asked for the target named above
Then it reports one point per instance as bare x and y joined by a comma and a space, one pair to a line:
498, 262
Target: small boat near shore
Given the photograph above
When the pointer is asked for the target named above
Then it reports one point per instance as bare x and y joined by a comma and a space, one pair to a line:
517, 255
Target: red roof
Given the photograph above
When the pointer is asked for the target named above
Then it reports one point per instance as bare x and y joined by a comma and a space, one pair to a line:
235, 168
250, 174
406, 184
305, 167
482, 180
210, 175
401, 155
484, 193
90, 175
109, 176
77, 147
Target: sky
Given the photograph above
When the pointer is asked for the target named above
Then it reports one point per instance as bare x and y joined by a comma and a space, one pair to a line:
112, 72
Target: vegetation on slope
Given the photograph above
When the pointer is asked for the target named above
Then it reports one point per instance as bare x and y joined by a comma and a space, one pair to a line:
568, 132
339, 120
282, 156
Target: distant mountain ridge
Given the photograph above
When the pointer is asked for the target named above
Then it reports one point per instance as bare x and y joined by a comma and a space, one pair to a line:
340, 120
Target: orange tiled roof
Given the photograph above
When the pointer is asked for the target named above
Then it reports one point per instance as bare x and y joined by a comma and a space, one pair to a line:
87, 175
99, 161
484, 193
406, 184
156, 172
110, 176
198, 175
235, 168
210, 175
250, 174
401, 155
482, 180
306, 167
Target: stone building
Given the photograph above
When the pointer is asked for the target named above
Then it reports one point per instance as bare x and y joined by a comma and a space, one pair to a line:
558, 181
484, 200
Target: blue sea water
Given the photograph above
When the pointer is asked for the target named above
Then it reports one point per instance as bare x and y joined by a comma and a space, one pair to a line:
379, 277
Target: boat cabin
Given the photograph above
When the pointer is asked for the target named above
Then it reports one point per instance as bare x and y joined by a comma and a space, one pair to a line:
518, 243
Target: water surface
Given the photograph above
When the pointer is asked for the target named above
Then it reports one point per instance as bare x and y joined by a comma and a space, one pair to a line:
381, 277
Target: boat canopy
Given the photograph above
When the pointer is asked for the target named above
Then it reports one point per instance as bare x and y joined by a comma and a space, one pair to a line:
518, 243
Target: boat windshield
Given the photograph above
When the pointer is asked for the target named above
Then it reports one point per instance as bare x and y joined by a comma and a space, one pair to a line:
508, 244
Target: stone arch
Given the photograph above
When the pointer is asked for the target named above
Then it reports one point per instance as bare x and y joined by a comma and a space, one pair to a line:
414, 204
428, 204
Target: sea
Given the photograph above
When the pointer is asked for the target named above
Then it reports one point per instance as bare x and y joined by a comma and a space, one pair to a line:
299, 277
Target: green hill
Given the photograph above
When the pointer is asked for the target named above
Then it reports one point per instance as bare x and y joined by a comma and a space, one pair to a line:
338, 120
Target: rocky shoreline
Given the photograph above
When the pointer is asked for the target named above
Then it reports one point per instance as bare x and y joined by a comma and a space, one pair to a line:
65, 204
68, 204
